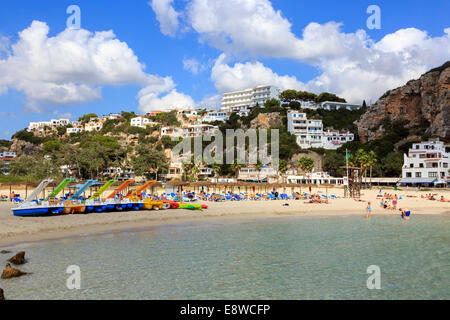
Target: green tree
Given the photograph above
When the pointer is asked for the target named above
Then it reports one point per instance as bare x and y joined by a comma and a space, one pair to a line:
371, 161
282, 168
306, 164
288, 95
87, 117
148, 161
236, 167
216, 168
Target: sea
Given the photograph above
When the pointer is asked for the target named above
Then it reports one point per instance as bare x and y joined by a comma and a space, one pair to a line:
316, 257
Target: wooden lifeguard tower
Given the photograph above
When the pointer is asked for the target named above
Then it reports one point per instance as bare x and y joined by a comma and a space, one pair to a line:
353, 187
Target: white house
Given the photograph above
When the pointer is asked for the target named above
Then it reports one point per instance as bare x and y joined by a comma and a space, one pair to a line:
111, 116
332, 140
248, 98
59, 122
141, 122
332, 105
427, 163
171, 131
8, 154
215, 116
187, 112
74, 130
94, 124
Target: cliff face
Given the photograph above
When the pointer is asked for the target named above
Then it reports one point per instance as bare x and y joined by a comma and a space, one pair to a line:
21, 147
423, 103
267, 120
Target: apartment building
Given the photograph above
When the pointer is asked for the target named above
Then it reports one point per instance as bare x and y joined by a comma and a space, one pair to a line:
427, 163
248, 98
310, 133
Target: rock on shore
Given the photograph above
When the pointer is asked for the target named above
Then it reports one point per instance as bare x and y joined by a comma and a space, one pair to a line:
10, 272
18, 259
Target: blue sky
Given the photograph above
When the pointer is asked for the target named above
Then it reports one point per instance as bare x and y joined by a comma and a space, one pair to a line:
248, 57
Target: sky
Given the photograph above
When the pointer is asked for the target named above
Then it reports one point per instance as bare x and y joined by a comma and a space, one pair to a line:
155, 55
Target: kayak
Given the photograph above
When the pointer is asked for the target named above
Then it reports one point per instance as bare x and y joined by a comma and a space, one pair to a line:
190, 206
172, 204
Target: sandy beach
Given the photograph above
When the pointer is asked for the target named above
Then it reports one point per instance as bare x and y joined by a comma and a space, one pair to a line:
15, 230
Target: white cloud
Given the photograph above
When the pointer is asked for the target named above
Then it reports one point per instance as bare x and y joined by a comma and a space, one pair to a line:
166, 16
191, 65
72, 66
212, 102
246, 75
351, 64
149, 100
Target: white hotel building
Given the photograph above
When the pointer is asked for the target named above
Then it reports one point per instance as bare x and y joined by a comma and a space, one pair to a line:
310, 133
427, 163
242, 101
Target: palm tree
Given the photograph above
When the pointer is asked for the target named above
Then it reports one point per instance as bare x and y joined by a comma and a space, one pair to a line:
258, 167
282, 168
216, 167
236, 167
362, 160
372, 159
187, 167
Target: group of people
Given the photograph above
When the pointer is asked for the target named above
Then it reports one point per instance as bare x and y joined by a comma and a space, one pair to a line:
315, 198
430, 196
389, 201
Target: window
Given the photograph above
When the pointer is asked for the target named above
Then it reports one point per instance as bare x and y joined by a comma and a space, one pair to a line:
418, 174
420, 165
408, 174
445, 165
411, 165
432, 174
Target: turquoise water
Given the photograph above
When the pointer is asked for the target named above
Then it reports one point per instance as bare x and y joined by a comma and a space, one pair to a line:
286, 258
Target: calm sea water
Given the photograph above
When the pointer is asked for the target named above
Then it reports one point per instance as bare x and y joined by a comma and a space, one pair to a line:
288, 258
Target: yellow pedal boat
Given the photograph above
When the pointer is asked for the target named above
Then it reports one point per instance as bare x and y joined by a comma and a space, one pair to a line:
153, 204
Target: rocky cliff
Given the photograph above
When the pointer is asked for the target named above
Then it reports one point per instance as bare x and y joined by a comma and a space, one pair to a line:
422, 103
267, 120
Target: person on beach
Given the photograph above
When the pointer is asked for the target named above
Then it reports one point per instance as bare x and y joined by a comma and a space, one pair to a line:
394, 203
368, 210
12, 196
405, 213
